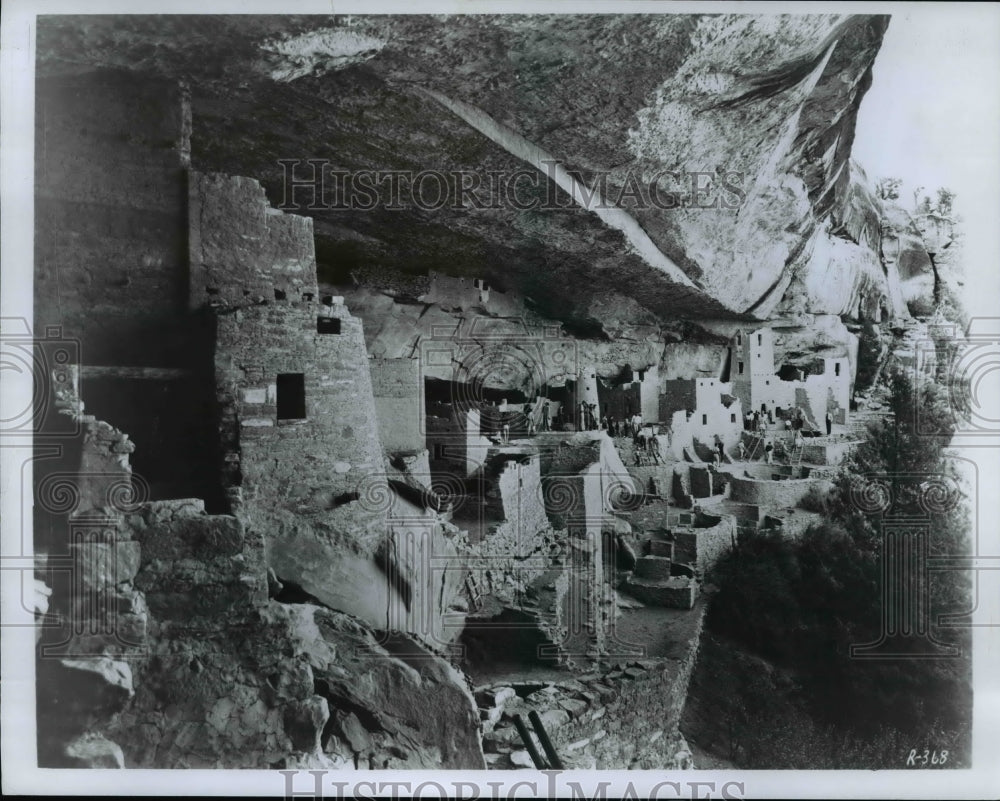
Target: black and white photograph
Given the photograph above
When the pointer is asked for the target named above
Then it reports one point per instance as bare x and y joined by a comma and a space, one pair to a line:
416, 400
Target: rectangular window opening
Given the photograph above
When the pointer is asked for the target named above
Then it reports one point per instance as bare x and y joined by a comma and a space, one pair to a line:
704, 419
760, 339
327, 325
732, 418
741, 368
291, 396
307, 296
836, 369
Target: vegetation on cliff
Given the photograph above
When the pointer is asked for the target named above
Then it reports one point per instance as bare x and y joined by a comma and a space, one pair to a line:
798, 606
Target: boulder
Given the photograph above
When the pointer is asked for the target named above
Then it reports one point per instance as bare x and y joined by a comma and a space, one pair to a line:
304, 722
92, 750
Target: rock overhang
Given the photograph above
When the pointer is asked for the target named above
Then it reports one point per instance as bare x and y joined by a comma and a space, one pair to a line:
352, 93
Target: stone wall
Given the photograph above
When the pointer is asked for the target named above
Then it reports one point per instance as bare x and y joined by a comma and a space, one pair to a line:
111, 267
625, 717
744, 511
269, 324
516, 547
397, 388
242, 251
827, 452
519, 484
110, 189
471, 445
702, 547
620, 402
678, 394
771, 472
580, 499
164, 662
772, 494
329, 448
706, 481
304, 459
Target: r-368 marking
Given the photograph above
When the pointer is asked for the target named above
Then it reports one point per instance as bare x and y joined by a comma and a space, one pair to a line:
921, 759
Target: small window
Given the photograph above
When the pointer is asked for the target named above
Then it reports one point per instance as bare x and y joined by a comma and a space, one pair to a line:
739, 339
741, 368
438, 450
760, 339
307, 297
327, 325
732, 418
836, 369
767, 383
704, 419
291, 396
328, 300
279, 294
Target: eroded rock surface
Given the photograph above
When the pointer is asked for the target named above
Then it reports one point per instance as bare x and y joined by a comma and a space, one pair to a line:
763, 107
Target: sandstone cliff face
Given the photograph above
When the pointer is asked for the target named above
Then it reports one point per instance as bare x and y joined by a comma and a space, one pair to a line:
922, 249
763, 107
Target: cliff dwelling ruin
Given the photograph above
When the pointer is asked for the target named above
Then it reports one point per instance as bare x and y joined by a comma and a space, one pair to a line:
367, 488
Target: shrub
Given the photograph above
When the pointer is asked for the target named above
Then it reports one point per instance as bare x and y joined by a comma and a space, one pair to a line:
816, 500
